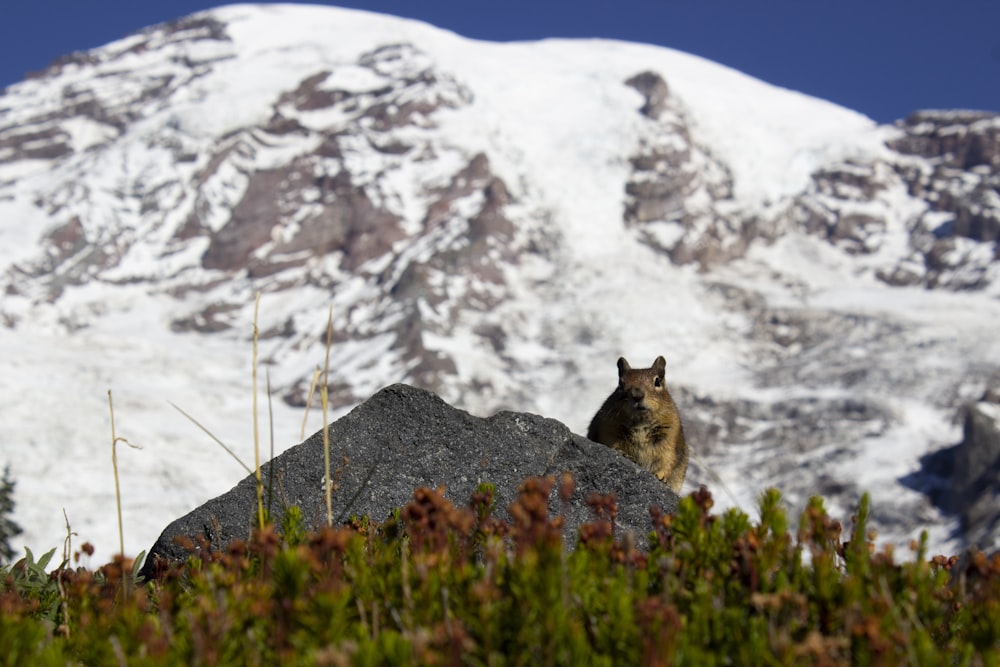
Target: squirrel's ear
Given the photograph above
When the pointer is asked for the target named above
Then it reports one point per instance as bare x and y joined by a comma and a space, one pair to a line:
623, 366
660, 365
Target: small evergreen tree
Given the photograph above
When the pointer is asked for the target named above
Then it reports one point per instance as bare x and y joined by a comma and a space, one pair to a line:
8, 529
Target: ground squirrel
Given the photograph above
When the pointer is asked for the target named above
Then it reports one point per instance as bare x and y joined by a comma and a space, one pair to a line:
640, 420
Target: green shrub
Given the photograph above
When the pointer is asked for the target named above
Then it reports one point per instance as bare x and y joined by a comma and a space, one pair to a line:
440, 584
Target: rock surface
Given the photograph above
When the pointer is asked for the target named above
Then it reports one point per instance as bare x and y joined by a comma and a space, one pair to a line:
965, 479
403, 438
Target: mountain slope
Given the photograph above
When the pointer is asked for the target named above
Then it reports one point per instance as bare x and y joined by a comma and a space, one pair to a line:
495, 222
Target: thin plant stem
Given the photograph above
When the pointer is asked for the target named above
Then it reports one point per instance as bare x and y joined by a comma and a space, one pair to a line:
63, 598
256, 430
324, 395
309, 398
270, 421
114, 464
212, 436
115, 439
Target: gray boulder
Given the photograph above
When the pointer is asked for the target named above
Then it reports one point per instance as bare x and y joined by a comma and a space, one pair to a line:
976, 479
964, 480
402, 438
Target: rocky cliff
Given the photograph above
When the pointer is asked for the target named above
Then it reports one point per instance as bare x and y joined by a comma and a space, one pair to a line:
964, 480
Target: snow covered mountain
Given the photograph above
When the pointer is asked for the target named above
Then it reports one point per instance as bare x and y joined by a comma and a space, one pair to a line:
495, 222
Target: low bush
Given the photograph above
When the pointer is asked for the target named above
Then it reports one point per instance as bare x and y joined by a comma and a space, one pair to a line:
440, 584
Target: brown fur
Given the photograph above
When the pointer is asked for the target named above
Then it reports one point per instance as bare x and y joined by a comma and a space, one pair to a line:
640, 420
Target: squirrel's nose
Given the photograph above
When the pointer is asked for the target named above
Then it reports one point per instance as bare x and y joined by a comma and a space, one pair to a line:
637, 394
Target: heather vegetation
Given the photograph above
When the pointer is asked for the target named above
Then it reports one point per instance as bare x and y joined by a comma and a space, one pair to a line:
443, 584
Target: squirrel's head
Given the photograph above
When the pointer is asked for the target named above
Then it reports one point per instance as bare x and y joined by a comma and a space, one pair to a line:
643, 385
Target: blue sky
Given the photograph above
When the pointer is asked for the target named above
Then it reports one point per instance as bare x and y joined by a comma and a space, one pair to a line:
884, 58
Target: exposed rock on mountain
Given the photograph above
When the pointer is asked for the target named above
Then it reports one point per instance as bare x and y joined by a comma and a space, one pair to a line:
965, 479
403, 438
954, 139
676, 191
959, 177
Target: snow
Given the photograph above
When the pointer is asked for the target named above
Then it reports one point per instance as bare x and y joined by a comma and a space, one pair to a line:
20, 236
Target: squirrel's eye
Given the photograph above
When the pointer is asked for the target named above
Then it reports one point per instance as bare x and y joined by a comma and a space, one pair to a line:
658, 382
